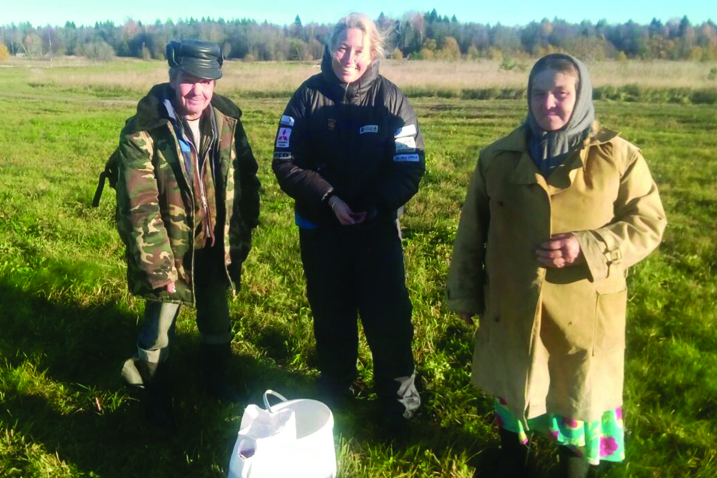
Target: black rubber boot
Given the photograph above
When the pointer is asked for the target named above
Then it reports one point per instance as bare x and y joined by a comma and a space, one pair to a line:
157, 399
215, 372
339, 397
395, 426
508, 461
572, 465
513, 456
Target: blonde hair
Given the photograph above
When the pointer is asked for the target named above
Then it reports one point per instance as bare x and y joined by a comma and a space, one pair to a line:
366, 25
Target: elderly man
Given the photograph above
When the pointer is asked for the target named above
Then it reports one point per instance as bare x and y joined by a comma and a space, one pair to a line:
187, 201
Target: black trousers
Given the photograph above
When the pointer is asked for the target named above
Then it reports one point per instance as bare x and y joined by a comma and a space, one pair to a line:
354, 272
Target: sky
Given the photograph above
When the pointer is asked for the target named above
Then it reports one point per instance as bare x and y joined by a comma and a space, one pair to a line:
507, 12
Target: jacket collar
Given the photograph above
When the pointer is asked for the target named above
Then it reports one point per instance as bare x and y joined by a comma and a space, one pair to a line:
517, 140
152, 112
527, 173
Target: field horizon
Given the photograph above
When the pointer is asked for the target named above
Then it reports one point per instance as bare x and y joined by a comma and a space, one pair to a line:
657, 81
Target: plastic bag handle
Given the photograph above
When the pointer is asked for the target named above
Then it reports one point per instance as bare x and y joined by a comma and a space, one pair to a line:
266, 399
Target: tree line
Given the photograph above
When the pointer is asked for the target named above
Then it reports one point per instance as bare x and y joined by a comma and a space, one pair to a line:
414, 36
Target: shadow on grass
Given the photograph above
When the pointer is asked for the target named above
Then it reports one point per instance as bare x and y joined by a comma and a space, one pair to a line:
70, 399
61, 389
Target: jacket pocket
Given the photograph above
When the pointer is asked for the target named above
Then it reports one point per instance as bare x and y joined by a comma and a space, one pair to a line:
610, 316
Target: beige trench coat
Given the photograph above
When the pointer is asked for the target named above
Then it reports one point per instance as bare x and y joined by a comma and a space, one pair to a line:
553, 340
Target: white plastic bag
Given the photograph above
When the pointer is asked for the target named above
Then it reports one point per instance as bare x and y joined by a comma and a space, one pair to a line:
291, 439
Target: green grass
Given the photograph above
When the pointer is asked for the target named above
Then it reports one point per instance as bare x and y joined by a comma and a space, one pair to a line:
67, 323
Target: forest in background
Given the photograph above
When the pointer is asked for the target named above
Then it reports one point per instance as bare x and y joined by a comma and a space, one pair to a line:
415, 36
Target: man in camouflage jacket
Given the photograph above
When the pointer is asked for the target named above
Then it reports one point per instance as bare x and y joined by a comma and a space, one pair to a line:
187, 201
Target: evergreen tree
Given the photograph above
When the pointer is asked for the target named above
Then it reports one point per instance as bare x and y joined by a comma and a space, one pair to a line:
415, 35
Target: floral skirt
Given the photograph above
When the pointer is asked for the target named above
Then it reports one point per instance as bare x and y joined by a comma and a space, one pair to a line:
602, 439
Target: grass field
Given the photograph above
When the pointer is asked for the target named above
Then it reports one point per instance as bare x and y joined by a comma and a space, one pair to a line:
67, 323
655, 81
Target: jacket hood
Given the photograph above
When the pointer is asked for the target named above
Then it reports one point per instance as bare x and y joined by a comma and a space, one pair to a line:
340, 89
151, 113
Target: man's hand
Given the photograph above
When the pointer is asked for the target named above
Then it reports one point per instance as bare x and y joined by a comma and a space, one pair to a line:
343, 212
562, 250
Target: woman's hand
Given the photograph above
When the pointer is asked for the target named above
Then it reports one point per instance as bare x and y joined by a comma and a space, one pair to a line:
344, 213
170, 288
562, 250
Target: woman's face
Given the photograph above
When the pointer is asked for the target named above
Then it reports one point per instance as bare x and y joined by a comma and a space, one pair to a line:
352, 55
552, 98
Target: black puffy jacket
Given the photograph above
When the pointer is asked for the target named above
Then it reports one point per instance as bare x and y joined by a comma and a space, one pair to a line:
359, 141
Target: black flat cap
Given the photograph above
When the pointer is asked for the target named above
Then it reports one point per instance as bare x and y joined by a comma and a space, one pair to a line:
199, 59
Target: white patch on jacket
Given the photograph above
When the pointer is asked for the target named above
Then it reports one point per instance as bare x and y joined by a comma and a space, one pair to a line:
408, 130
405, 143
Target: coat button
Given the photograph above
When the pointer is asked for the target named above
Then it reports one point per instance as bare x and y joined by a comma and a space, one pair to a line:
497, 318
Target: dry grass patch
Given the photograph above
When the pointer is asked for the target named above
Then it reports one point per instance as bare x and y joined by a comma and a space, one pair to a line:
273, 77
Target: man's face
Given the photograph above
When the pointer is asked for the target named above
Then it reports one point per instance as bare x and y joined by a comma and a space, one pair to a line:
192, 95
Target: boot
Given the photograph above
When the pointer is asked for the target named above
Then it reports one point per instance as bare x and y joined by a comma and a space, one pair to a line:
150, 380
394, 421
335, 395
508, 461
395, 427
572, 465
215, 372
513, 455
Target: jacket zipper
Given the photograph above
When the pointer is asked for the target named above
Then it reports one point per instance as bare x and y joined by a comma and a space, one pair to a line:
183, 168
206, 223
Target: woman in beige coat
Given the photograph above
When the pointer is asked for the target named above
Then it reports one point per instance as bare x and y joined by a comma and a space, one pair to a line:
555, 214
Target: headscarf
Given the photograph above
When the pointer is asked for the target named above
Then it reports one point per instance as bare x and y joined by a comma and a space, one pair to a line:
549, 149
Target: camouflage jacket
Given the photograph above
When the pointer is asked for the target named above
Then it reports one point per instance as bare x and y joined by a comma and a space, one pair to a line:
156, 211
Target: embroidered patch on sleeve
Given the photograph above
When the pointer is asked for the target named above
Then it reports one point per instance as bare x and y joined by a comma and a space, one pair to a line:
369, 128
405, 143
287, 120
282, 155
408, 130
406, 158
282, 139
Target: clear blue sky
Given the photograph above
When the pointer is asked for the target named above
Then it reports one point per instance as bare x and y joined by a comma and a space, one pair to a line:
507, 12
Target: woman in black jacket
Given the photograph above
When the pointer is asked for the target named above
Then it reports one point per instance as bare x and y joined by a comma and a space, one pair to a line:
350, 153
